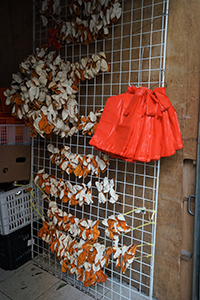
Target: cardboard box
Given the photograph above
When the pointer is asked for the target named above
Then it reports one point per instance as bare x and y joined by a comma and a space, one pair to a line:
15, 163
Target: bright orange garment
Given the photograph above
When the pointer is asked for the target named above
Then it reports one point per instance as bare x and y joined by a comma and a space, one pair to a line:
140, 124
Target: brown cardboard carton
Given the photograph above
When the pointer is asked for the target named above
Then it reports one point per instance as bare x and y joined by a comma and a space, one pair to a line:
15, 163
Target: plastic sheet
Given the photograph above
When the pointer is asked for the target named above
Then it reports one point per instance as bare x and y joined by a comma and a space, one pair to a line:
140, 124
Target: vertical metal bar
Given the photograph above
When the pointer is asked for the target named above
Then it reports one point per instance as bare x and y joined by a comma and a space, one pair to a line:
131, 41
33, 26
158, 167
165, 43
155, 208
141, 49
111, 62
150, 44
32, 209
32, 140
196, 249
121, 52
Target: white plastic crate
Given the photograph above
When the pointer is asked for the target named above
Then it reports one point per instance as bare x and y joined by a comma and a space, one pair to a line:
14, 134
15, 210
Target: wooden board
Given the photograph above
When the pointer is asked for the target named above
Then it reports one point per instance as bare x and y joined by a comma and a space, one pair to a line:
182, 69
172, 276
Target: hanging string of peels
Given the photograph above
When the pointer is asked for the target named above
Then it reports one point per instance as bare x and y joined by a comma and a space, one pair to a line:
76, 246
75, 243
77, 193
80, 165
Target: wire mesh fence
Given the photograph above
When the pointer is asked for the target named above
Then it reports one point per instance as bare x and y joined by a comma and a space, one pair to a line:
135, 50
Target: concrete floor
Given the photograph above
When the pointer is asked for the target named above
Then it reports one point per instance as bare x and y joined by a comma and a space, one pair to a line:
32, 283
29, 282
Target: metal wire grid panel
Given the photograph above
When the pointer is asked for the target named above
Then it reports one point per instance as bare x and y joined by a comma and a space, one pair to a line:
135, 50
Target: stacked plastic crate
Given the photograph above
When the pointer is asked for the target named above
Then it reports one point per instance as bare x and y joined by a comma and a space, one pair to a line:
15, 211
15, 228
15, 145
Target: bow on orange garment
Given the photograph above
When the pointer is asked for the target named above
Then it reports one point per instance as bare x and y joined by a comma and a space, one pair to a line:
140, 124
155, 102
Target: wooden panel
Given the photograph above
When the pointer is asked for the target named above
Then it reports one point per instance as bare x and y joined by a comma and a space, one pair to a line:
182, 68
172, 276
169, 232
189, 173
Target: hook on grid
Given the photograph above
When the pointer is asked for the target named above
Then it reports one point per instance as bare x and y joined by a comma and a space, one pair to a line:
141, 57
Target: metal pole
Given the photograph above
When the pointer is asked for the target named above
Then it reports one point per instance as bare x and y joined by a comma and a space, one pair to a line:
196, 250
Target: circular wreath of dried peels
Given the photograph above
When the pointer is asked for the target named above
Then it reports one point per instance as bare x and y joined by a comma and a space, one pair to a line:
44, 90
88, 19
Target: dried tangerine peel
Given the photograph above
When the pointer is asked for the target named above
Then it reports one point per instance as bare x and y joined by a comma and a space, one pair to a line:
99, 15
115, 225
68, 161
74, 194
85, 229
86, 259
44, 92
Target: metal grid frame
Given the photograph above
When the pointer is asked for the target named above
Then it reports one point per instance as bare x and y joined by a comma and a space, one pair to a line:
135, 50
